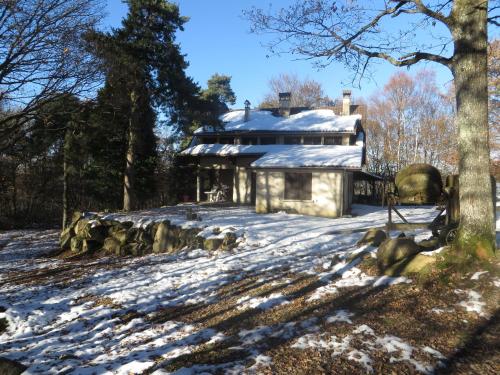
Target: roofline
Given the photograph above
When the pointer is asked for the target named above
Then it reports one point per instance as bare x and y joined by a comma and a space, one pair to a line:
275, 132
354, 169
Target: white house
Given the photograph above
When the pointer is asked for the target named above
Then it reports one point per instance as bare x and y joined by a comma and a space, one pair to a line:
294, 159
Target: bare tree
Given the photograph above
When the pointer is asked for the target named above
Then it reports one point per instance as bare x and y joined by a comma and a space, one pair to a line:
305, 92
452, 33
411, 121
42, 55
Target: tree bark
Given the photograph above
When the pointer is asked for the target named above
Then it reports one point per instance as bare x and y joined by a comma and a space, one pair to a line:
129, 198
66, 150
476, 235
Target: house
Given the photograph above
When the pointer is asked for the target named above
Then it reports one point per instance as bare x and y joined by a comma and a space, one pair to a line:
293, 159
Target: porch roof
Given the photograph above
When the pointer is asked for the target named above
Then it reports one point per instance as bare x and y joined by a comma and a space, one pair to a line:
287, 156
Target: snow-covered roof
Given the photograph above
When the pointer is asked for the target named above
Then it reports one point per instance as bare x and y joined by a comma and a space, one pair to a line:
287, 156
312, 156
313, 120
229, 150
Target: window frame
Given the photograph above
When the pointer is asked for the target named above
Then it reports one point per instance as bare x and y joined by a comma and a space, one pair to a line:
301, 188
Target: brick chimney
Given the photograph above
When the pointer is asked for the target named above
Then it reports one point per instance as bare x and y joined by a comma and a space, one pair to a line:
285, 100
247, 110
346, 102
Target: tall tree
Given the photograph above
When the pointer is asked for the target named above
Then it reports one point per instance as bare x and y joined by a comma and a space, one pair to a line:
305, 92
42, 56
355, 32
219, 92
144, 50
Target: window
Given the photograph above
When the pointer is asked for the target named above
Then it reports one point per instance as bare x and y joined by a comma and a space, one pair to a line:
298, 186
226, 140
267, 140
209, 140
312, 140
248, 140
292, 140
333, 140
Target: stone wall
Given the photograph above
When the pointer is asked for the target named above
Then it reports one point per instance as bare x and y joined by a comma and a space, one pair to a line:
92, 234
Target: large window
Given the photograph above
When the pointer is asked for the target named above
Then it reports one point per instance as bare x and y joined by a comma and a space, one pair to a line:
298, 186
312, 140
292, 140
333, 140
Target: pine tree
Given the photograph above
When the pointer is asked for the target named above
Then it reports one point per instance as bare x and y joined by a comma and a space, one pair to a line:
146, 64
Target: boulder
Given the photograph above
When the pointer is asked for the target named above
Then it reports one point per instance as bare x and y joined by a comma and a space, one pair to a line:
9, 367
65, 238
162, 237
373, 237
112, 246
414, 264
429, 244
118, 232
419, 184
76, 244
135, 249
393, 250
229, 241
81, 228
212, 243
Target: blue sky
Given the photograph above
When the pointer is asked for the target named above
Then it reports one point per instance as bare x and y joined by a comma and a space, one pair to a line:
216, 40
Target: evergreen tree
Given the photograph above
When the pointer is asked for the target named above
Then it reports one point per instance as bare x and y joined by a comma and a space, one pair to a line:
142, 60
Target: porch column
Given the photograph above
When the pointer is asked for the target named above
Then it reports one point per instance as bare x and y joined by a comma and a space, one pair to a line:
198, 186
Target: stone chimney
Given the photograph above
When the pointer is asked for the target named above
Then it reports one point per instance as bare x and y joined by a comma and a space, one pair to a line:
247, 110
346, 102
285, 100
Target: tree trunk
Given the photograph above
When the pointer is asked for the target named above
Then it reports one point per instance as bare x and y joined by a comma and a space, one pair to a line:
476, 234
65, 179
129, 198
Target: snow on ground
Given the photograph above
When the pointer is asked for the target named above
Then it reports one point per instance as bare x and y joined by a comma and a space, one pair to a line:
473, 303
76, 325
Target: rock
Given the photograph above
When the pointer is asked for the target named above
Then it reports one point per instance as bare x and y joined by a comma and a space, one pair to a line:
134, 248
413, 264
373, 237
119, 233
162, 237
402, 235
419, 184
112, 246
65, 238
76, 244
212, 244
393, 250
216, 230
9, 367
80, 227
429, 244
2, 309
229, 241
